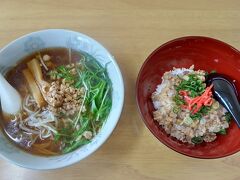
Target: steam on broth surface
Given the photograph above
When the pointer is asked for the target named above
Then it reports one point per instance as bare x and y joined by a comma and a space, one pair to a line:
66, 99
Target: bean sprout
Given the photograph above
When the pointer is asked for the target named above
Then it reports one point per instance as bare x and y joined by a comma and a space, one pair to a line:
38, 122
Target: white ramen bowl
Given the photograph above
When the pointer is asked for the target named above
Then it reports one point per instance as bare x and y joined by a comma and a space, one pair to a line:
25, 45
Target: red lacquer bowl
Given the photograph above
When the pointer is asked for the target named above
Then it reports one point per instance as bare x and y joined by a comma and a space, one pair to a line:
206, 54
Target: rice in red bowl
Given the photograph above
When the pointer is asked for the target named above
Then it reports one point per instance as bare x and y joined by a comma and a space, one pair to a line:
176, 101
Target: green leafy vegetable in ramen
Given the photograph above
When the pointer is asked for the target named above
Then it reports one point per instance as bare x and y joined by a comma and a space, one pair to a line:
97, 101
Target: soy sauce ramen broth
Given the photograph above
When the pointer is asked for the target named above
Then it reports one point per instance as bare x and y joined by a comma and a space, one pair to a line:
75, 100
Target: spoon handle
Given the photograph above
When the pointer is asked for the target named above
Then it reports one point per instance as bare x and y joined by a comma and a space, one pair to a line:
10, 99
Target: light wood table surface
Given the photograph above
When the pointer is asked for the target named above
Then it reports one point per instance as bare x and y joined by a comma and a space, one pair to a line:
131, 30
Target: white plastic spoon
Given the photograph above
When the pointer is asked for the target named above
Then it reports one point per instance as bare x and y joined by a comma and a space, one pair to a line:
11, 101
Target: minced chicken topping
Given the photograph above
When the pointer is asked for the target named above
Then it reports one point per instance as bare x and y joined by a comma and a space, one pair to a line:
185, 108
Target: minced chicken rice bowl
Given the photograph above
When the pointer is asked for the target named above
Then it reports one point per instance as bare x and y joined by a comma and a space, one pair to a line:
185, 108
